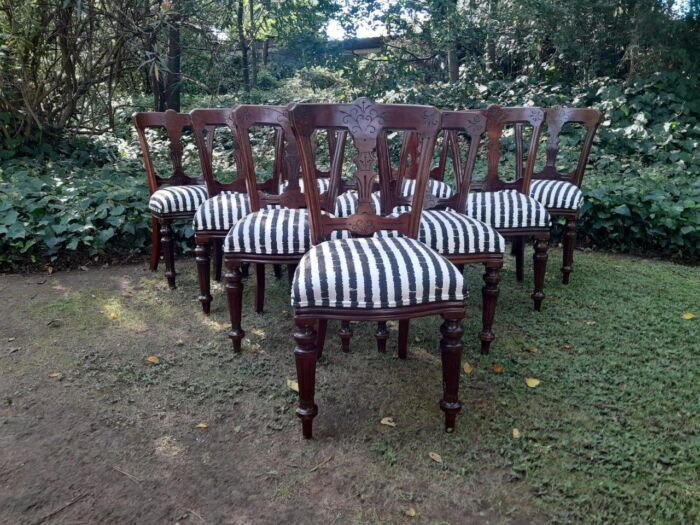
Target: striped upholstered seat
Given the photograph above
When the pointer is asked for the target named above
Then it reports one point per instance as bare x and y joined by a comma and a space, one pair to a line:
322, 182
271, 232
507, 209
374, 273
221, 212
557, 194
346, 203
451, 233
438, 188
177, 199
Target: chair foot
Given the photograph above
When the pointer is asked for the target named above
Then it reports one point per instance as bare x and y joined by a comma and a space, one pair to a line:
381, 335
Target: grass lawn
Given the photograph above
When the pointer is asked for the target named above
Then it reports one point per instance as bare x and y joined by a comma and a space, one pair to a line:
91, 431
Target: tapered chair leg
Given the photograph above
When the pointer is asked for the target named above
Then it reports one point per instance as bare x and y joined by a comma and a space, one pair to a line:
451, 349
518, 252
403, 338
218, 258
166, 239
321, 335
345, 334
540, 265
291, 268
305, 356
489, 294
203, 265
259, 288
234, 295
245, 269
278, 270
381, 335
155, 244
569, 245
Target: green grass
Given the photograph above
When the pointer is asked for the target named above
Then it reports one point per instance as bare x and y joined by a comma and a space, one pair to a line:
611, 435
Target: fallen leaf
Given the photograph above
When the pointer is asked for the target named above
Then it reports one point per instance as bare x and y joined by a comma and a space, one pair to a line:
388, 421
292, 385
55, 374
468, 369
179, 342
14, 349
84, 268
533, 350
54, 323
532, 382
113, 316
49, 270
237, 429
516, 433
567, 346
201, 425
688, 316
498, 368
153, 359
411, 512
590, 323
10, 339
437, 458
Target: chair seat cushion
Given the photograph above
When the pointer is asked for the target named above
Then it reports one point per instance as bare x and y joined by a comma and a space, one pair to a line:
177, 199
374, 273
440, 189
556, 194
507, 209
451, 233
346, 203
323, 184
221, 212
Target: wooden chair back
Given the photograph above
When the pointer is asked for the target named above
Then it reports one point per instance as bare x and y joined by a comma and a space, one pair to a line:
174, 124
367, 125
556, 118
245, 119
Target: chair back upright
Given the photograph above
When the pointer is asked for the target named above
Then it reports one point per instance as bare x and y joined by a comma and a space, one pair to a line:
555, 118
471, 123
367, 124
497, 118
174, 124
245, 119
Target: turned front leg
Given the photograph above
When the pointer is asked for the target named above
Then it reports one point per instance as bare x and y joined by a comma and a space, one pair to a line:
540, 265
569, 245
203, 264
234, 295
166, 239
489, 294
518, 251
259, 288
403, 338
305, 356
155, 244
451, 349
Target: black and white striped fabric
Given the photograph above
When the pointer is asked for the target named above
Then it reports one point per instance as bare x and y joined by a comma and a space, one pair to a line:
282, 231
346, 203
440, 189
507, 209
374, 273
451, 233
221, 212
323, 184
177, 199
556, 194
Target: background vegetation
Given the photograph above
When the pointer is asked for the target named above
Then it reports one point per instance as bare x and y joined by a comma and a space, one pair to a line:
72, 72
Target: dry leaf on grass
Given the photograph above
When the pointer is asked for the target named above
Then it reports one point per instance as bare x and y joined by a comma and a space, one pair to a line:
153, 359
498, 368
113, 316
687, 316
388, 421
468, 369
292, 385
437, 458
201, 425
516, 433
411, 512
532, 382
54, 375
533, 350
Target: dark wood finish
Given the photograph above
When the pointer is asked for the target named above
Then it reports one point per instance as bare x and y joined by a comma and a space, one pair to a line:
556, 118
472, 124
175, 125
367, 125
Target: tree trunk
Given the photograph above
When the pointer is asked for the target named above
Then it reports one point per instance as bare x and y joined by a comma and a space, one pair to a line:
452, 58
172, 87
253, 43
244, 46
491, 39
266, 51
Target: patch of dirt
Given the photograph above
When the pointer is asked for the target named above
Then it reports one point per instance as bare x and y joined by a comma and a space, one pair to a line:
91, 431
